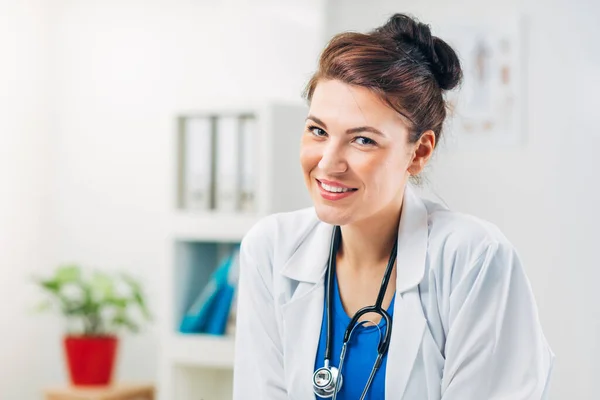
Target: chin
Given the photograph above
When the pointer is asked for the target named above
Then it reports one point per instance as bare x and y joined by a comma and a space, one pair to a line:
334, 215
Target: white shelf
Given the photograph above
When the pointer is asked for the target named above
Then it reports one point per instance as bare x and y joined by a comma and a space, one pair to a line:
196, 366
198, 226
205, 351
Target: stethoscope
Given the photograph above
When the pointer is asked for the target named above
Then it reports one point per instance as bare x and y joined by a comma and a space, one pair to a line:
327, 380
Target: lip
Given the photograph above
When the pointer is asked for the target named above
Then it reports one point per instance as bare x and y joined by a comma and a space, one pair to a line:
334, 183
333, 196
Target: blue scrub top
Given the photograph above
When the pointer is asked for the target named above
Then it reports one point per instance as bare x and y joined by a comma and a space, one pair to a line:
360, 354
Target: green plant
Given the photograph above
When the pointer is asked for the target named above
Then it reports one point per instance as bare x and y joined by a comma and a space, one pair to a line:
98, 303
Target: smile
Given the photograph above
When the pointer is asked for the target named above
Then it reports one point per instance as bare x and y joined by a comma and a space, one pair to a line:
335, 189
334, 192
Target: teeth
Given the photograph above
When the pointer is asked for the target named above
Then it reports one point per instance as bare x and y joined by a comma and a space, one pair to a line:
334, 189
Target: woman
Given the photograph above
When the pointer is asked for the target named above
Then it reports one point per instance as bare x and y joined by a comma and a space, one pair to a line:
455, 316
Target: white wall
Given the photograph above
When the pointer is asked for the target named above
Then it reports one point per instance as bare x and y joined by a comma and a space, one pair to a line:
23, 191
545, 194
88, 123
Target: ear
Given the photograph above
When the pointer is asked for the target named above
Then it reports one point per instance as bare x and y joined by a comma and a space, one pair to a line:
422, 152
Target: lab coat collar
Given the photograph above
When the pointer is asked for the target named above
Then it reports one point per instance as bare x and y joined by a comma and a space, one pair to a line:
309, 262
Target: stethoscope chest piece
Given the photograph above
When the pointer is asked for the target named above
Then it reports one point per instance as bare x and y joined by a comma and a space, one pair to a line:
324, 381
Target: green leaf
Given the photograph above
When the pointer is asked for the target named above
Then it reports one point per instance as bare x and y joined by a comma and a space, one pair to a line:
102, 285
119, 302
52, 286
68, 273
121, 319
137, 294
140, 300
73, 308
42, 306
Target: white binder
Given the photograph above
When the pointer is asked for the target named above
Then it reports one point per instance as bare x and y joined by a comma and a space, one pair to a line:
248, 140
227, 164
197, 165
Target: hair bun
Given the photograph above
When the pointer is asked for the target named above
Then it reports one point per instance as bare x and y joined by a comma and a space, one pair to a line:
447, 69
442, 59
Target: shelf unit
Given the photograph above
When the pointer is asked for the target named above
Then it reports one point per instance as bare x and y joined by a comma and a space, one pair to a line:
201, 350
199, 366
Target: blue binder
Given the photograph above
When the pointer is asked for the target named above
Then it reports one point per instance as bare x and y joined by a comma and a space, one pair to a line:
210, 311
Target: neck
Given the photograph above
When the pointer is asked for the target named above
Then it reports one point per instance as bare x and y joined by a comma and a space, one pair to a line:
367, 244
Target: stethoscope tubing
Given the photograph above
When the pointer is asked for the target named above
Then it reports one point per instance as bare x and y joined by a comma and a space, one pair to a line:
376, 308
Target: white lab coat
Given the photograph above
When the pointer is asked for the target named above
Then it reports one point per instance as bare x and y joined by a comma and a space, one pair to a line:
465, 323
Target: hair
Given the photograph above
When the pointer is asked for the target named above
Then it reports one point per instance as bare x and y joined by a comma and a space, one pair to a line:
402, 63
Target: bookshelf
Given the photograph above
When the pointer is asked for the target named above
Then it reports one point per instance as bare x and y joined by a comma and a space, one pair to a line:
200, 366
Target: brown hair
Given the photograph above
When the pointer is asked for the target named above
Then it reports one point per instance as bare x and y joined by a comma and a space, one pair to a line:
401, 62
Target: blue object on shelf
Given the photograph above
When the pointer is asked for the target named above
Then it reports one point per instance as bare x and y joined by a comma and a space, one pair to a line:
210, 311
216, 324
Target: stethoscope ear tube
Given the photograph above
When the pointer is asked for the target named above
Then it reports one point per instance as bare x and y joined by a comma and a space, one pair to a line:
333, 248
383, 344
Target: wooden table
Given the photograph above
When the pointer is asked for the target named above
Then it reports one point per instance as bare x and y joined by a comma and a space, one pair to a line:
117, 391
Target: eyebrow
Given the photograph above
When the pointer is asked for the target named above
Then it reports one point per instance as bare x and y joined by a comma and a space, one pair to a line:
351, 130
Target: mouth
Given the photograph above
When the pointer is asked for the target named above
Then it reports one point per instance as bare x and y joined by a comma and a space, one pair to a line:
333, 190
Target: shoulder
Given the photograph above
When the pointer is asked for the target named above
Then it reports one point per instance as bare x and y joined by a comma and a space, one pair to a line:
461, 231
279, 234
460, 243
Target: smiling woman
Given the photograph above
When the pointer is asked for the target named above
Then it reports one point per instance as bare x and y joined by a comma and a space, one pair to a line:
374, 292
358, 142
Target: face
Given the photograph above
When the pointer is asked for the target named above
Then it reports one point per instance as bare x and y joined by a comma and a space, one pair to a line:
355, 153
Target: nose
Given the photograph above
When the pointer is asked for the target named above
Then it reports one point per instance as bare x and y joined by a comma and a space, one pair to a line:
333, 160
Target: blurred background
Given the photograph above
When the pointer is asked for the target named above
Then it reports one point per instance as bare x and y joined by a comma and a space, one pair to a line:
101, 103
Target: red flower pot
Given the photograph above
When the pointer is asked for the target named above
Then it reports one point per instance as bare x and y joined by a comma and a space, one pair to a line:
90, 359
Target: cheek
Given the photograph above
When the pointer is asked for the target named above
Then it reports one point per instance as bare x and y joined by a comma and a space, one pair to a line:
309, 156
381, 173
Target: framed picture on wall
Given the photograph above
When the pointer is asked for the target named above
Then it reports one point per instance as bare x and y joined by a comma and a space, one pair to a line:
488, 108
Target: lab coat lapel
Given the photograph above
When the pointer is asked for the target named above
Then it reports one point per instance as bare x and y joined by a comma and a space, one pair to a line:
409, 321
302, 314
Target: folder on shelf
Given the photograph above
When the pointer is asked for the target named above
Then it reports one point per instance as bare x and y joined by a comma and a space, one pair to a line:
217, 323
234, 273
227, 164
210, 311
197, 140
248, 139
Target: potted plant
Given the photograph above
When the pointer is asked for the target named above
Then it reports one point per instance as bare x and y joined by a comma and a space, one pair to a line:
97, 306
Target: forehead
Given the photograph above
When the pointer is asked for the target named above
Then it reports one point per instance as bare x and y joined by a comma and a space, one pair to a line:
339, 104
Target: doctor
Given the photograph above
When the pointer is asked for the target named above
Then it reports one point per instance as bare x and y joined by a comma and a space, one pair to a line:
376, 293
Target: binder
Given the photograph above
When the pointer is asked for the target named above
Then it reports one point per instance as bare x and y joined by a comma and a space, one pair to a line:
221, 310
248, 138
210, 311
227, 164
197, 138
233, 280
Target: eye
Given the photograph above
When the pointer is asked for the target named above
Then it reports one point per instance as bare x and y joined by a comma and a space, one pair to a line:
315, 130
365, 141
